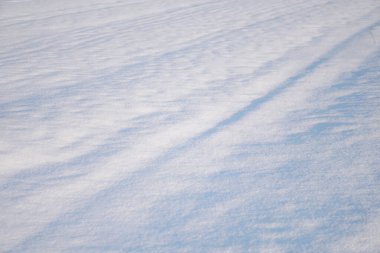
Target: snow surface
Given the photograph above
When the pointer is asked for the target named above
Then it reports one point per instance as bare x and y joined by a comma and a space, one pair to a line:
190, 126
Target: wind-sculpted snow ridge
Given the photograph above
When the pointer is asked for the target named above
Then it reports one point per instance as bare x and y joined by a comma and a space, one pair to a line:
190, 126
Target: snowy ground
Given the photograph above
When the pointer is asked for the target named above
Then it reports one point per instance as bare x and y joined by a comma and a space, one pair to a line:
190, 126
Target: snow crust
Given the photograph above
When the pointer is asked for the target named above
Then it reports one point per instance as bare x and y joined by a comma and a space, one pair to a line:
190, 126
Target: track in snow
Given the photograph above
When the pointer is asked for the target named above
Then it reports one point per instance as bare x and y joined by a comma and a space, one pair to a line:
189, 126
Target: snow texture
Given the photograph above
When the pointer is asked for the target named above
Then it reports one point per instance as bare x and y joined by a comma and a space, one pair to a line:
190, 126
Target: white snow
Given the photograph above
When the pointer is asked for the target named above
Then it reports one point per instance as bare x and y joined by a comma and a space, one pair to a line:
189, 126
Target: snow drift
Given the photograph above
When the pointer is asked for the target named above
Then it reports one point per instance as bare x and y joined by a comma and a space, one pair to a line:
189, 126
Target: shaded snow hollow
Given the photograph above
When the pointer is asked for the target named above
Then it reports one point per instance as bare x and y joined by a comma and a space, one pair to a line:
190, 126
